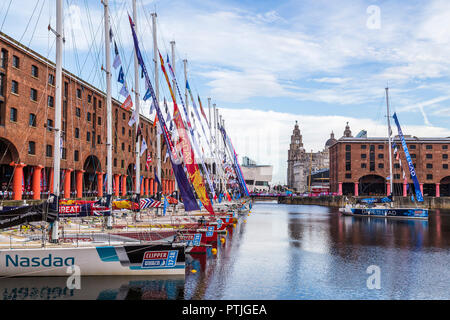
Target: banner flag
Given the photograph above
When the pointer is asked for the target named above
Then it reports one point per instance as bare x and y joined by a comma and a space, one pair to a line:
143, 146
132, 118
419, 196
187, 151
186, 192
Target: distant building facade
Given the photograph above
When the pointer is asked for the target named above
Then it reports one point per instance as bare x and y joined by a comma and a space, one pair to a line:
301, 163
360, 166
257, 177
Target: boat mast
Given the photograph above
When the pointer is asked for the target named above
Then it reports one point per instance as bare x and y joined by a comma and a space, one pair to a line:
58, 97
172, 45
108, 107
389, 138
185, 87
215, 148
137, 111
155, 59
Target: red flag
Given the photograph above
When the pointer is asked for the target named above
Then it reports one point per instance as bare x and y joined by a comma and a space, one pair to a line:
201, 110
156, 120
149, 159
128, 103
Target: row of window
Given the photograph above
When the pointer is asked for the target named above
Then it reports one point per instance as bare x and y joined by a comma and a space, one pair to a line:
348, 147
396, 176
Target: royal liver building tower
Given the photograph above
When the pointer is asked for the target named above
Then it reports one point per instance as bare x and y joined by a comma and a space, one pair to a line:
302, 163
296, 154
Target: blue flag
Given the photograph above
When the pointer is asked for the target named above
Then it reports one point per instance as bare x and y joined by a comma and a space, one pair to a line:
147, 95
419, 196
166, 204
156, 176
121, 76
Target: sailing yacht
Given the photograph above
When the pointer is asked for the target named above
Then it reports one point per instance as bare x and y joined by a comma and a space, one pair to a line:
384, 207
22, 255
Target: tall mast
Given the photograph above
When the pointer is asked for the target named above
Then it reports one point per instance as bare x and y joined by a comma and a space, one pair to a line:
209, 110
215, 148
136, 102
155, 59
389, 138
108, 107
185, 88
172, 46
58, 98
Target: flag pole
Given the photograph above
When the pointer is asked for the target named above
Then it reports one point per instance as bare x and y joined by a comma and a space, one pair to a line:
158, 136
137, 110
108, 109
172, 44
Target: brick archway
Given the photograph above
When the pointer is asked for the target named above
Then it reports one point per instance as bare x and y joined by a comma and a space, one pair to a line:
445, 187
8, 155
372, 185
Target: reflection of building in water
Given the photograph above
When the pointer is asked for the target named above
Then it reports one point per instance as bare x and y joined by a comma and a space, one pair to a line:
302, 163
257, 177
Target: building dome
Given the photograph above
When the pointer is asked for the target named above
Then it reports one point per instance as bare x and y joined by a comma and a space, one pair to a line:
330, 141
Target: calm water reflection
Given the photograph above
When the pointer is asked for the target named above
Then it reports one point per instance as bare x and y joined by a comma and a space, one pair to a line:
289, 252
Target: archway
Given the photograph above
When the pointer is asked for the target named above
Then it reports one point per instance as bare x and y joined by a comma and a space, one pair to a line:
372, 185
91, 166
348, 189
445, 187
8, 154
429, 189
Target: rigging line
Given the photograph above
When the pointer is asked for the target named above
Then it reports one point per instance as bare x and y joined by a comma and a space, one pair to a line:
37, 21
74, 46
29, 20
6, 14
97, 52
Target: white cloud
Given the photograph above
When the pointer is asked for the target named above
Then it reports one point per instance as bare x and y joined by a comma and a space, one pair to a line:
265, 135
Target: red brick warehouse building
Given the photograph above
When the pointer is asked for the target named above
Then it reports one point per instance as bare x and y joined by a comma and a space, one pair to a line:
26, 138
359, 166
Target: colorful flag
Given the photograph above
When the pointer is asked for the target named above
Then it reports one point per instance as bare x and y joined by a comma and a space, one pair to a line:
166, 204
128, 103
138, 133
149, 160
124, 91
187, 151
143, 146
156, 177
117, 61
201, 110
184, 188
132, 118
147, 96
121, 76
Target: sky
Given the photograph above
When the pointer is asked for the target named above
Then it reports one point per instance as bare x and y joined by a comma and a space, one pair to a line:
267, 64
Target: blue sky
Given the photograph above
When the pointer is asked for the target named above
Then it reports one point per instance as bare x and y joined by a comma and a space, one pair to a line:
268, 63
